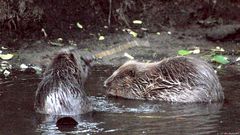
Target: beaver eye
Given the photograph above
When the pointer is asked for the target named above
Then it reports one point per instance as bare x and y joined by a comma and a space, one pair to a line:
131, 73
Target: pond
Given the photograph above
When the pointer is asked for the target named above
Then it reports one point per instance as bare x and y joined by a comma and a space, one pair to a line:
116, 115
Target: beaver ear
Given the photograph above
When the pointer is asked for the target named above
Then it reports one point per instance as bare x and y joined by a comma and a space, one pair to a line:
71, 56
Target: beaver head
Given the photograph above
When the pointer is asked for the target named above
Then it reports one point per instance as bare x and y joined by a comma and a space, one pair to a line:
176, 79
61, 90
68, 63
123, 82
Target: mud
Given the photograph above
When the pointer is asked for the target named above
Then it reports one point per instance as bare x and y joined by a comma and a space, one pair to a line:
168, 26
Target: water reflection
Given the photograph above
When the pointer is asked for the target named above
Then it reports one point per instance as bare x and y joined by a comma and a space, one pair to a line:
125, 116
116, 115
47, 125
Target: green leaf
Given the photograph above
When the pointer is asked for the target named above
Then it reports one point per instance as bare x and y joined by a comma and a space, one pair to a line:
220, 59
184, 52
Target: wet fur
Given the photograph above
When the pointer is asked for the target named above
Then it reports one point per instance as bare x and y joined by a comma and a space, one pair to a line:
177, 79
61, 90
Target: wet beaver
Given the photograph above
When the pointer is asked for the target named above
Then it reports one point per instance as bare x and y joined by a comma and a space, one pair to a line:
61, 91
176, 79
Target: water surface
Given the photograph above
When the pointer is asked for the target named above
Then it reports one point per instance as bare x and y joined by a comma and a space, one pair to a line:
116, 115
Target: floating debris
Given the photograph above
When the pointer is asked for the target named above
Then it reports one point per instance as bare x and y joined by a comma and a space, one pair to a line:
105, 27
44, 32
5, 65
37, 69
101, 38
196, 50
169, 32
158, 33
6, 56
134, 34
4, 48
55, 43
238, 59
219, 67
128, 56
218, 49
23, 67
150, 117
137, 22
6, 73
144, 29
60, 39
71, 42
79, 25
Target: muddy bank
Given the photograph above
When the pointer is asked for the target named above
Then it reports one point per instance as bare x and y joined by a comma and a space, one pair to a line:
151, 47
165, 28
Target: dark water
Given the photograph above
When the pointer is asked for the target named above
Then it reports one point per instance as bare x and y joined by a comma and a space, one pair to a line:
118, 116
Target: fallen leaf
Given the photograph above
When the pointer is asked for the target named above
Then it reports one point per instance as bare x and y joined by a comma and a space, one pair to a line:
220, 59
184, 52
134, 34
6, 56
137, 22
101, 38
79, 25
6, 73
4, 48
60, 39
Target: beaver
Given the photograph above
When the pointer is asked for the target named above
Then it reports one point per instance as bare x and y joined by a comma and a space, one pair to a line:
61, 91
175, 79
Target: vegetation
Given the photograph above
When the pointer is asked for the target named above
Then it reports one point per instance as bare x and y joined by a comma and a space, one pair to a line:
19, 14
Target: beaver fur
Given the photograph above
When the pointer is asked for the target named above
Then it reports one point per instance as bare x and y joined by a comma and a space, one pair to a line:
61, 91
176, 79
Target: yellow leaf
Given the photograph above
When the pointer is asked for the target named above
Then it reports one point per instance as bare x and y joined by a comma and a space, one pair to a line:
79, 25
6, 56
101, 38
137, 22
134, 34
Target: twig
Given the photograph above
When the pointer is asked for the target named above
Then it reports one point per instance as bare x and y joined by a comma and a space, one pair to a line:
110, 12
